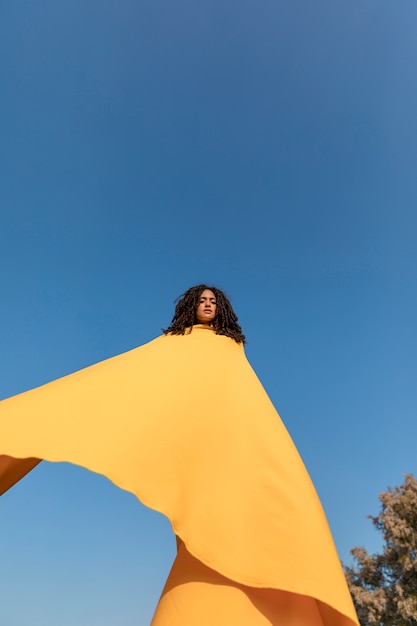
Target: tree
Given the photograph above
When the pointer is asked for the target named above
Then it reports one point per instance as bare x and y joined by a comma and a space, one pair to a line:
384, 586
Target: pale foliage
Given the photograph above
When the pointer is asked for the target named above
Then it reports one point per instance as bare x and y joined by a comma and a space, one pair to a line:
384, 586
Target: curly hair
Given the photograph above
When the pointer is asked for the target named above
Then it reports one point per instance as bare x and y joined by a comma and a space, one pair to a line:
225, 322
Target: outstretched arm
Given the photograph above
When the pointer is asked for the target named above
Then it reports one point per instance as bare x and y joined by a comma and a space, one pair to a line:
12, 470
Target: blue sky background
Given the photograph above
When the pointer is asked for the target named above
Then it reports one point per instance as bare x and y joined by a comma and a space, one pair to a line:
266, 147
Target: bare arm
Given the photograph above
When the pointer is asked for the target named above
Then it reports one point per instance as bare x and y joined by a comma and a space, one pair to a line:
12, 470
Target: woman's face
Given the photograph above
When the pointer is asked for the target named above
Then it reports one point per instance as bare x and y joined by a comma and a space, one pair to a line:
206, 308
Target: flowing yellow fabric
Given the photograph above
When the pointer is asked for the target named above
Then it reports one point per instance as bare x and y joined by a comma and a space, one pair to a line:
184, 424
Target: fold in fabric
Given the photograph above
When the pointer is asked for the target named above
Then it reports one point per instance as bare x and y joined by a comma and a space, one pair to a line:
192, 586
184, 424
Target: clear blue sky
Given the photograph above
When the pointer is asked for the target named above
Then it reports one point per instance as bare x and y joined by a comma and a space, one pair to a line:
269, 148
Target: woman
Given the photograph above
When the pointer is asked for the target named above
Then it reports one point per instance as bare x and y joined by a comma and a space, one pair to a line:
207, 306
185, 425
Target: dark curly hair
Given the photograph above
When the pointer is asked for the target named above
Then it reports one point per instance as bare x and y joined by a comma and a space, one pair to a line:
225, 322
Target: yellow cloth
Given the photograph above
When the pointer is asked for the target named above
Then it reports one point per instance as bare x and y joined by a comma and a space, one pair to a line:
184, 424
